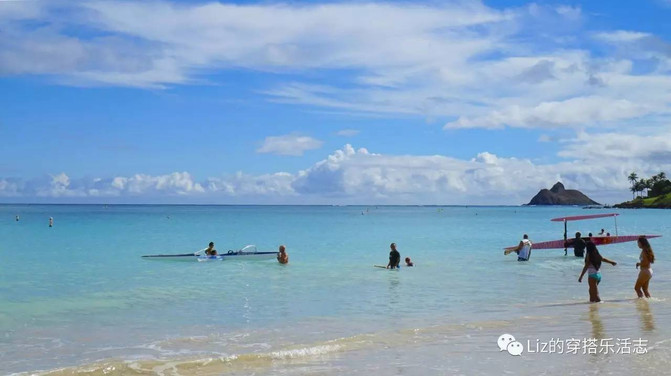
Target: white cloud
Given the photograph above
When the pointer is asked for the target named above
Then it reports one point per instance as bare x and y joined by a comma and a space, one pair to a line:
621, 36
180, 183
290, 144
574, 112
485, 67
272, 185
597, 164
9, 188
619, 148
347, 132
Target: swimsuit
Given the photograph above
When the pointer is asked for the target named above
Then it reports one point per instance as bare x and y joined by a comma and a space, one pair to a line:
645, 270
593, 273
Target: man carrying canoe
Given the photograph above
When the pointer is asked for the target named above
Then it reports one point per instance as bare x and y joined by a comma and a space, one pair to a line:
523, 249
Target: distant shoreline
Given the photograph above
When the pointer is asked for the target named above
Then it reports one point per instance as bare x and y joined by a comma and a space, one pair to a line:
285, 205
658, 202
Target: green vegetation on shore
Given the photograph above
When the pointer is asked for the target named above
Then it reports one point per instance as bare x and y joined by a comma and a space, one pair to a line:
658, 190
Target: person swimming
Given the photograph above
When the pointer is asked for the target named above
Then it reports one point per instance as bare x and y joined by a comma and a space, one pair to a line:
409, 262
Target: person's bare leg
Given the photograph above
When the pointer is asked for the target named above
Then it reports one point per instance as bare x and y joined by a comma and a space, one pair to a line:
645, 287
593, 290
638, 287
642, 282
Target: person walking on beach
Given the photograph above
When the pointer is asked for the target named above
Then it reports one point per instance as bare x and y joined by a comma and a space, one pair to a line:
579, 245
647, 257
282, 255
394, 257
210, 251
593, 262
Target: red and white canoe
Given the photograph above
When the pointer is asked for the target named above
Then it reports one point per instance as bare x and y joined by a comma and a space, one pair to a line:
597, 240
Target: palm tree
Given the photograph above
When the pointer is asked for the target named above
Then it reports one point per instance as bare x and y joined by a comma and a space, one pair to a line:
647, 185
633, 179
640, 186
661, 176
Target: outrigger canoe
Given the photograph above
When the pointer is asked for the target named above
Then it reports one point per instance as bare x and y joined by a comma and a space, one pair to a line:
246, 253
597, 240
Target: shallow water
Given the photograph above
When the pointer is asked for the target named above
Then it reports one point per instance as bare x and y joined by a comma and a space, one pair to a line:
77, 297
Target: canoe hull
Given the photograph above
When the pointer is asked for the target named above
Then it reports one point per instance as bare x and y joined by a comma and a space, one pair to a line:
597, 240
222, 257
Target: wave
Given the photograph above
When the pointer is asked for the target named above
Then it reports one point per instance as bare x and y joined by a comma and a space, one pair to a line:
263, 361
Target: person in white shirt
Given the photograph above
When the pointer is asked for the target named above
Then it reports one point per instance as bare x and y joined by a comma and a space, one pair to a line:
523, 249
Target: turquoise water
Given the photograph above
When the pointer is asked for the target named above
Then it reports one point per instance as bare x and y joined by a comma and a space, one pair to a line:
78, 296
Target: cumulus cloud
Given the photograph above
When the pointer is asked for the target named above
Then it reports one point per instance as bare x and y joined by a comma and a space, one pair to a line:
9, 188
597, 164
290, 144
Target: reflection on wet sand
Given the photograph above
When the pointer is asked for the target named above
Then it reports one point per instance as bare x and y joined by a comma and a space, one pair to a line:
595, 320
647, 320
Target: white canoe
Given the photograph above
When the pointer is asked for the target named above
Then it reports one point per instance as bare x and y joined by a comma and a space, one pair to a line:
246, 253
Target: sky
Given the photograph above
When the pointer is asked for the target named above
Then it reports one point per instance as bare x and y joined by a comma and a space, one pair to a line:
358, 102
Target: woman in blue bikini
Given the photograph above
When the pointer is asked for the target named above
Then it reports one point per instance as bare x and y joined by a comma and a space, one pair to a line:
592, 265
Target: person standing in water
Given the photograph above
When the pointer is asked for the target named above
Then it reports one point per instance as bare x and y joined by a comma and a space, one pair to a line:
579, 245
17, 218
523, 249
394, 257
593, 261
647, 257
282, 255
51, 221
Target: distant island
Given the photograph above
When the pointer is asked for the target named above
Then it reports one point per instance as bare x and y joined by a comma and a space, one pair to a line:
558, 195
657, 189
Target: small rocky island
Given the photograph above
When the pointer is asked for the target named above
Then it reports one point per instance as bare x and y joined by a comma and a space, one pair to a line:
558, 195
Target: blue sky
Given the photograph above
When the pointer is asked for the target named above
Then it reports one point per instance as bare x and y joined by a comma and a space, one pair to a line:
459, 102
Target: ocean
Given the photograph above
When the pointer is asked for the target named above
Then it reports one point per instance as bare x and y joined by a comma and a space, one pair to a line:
77, 298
